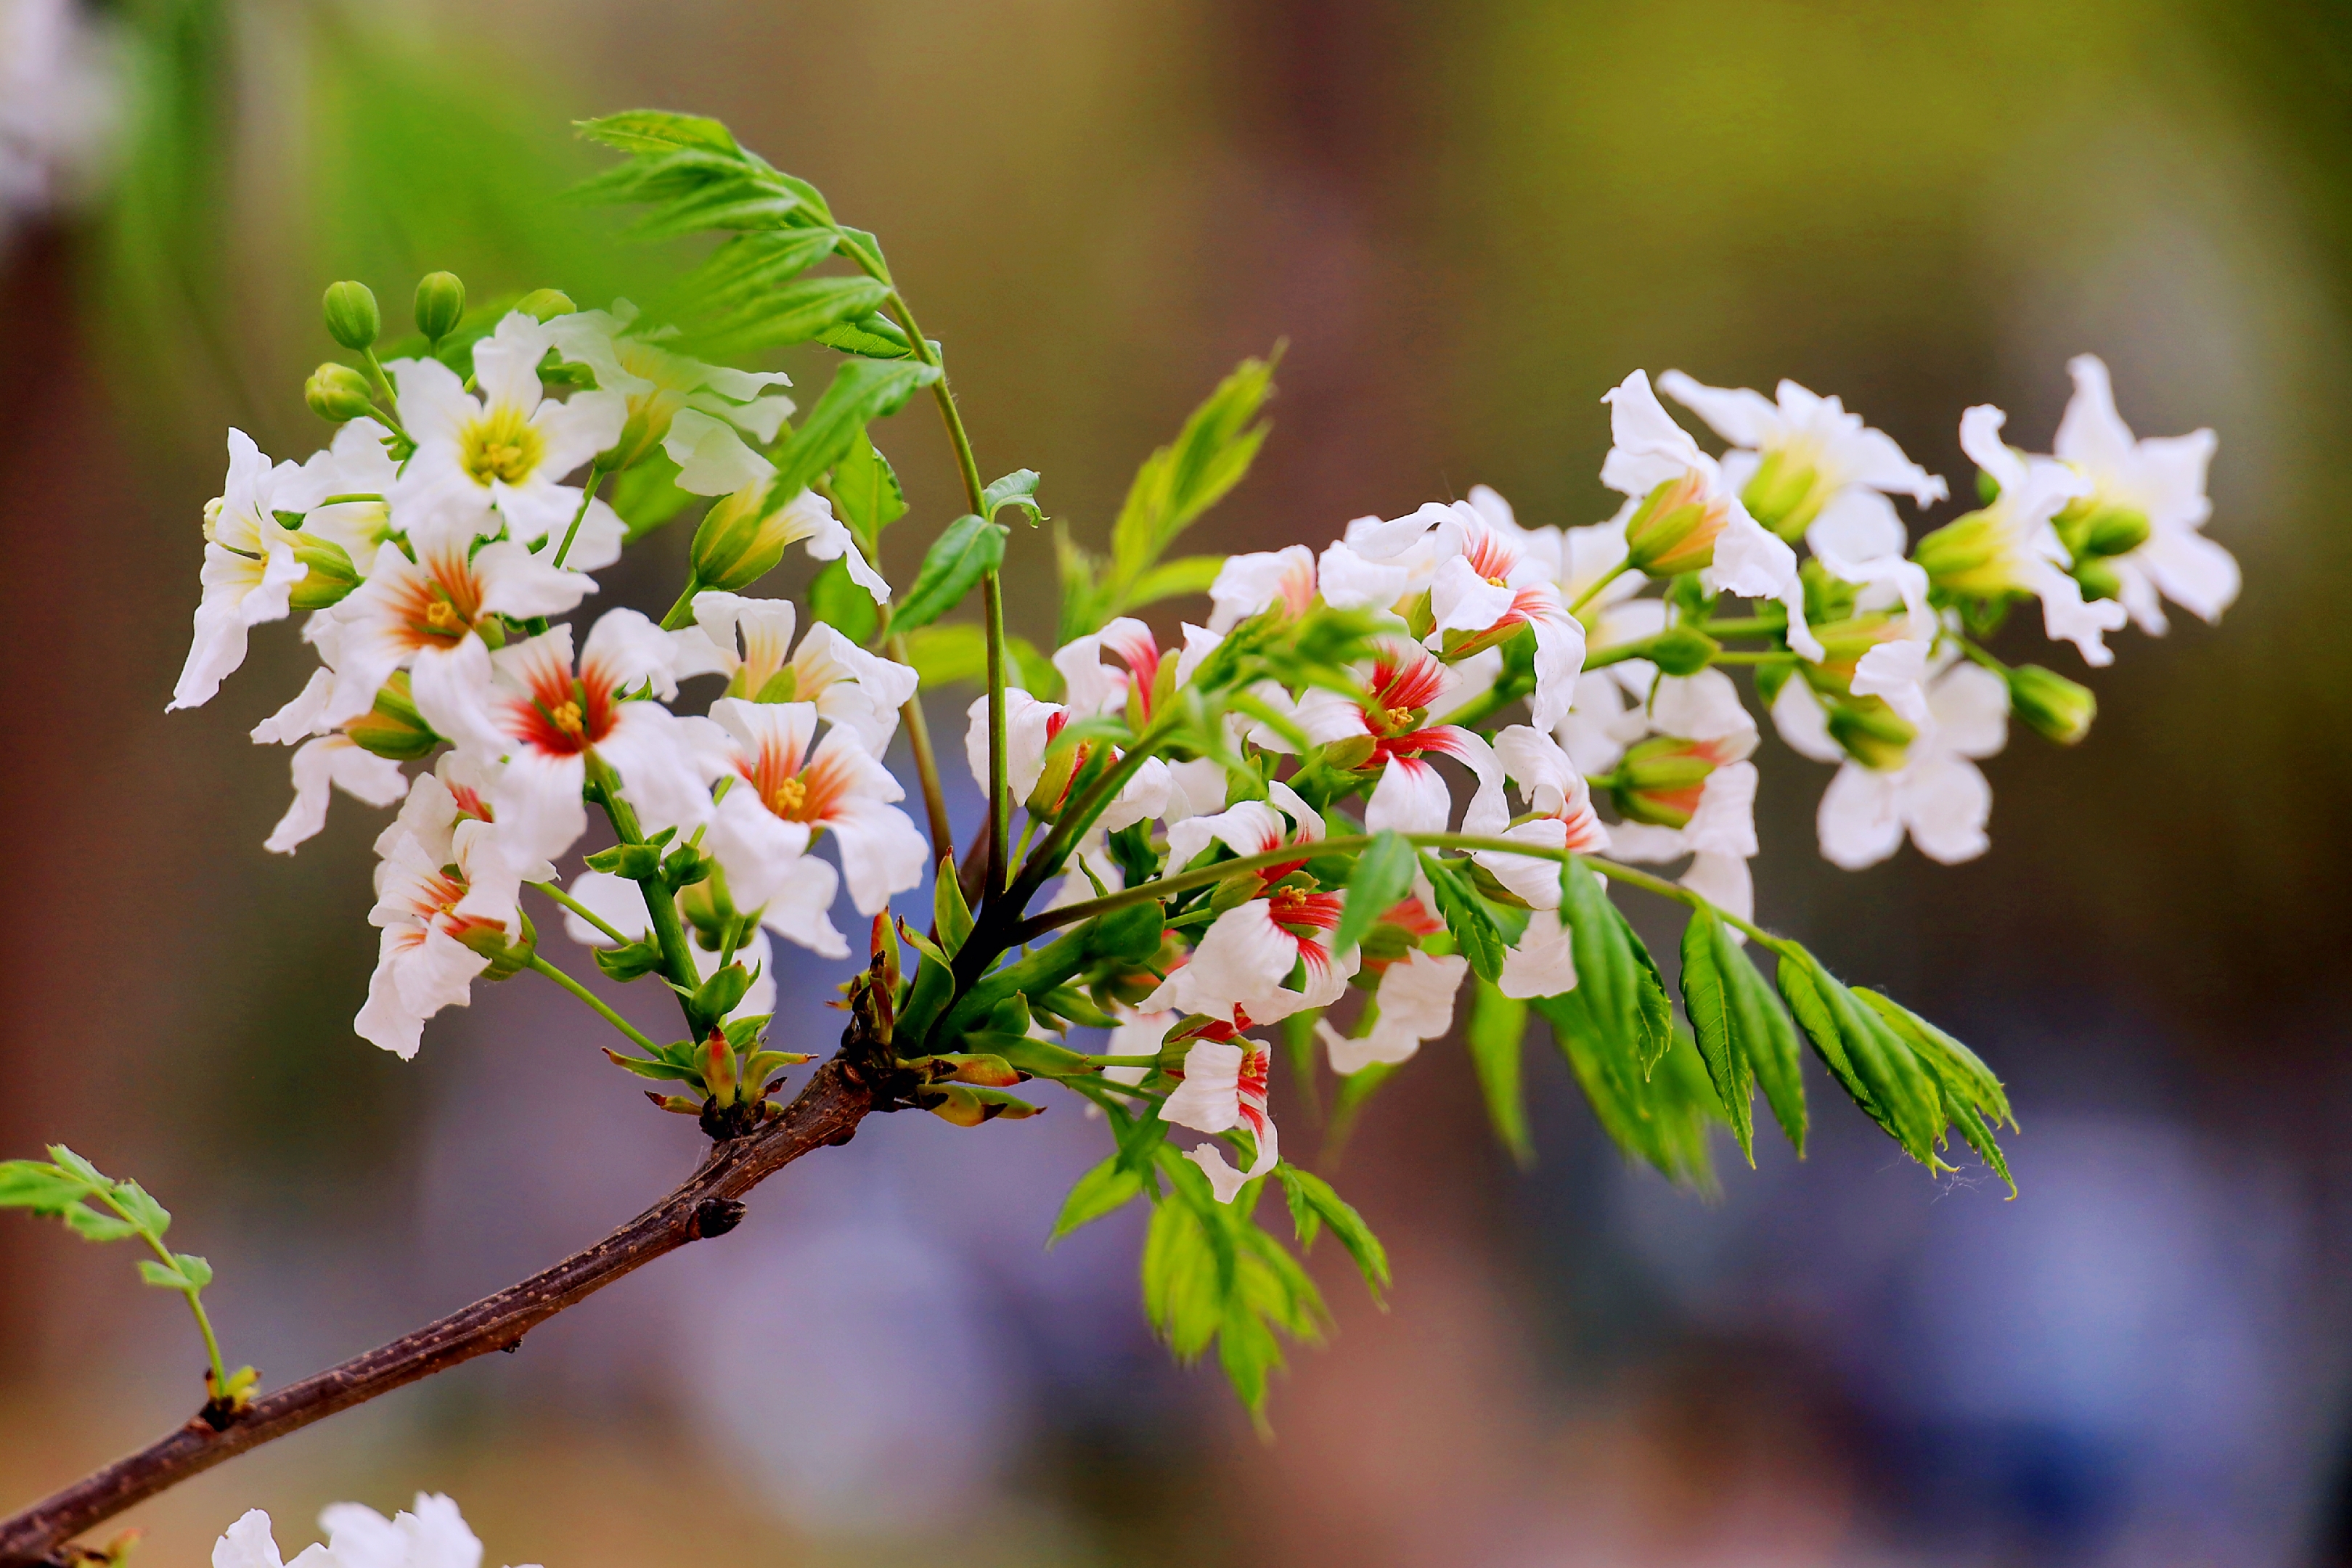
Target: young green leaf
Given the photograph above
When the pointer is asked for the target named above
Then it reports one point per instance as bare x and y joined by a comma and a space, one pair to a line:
747, 266
1017, 489
1383, 875
656, 130
873, 337
1106, 1189
1304, 1189
866, 489
1170, 579
970, 547
1498, 1038
1768, 1040
1179, 481
1617, 982
862, 391
789, 313
1476, 934
1869, 1062
1715, 1025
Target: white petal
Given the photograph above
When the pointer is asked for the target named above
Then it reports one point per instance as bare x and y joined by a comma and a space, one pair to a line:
1948, 802
1860, 818
1544, 962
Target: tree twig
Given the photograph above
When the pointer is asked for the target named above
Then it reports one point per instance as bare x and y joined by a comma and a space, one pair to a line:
708, 1203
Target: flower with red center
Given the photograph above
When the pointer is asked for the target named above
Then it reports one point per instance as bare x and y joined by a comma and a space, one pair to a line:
423, 614
1245, 962
446, 892
1044, 778
1494, 577
1564, 817
1223, 1088
527, 705
849, 686
782, 795
1393, 707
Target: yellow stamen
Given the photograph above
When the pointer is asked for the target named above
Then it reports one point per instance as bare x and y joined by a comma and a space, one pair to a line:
500, 444
442, 616
789, 798
566, 717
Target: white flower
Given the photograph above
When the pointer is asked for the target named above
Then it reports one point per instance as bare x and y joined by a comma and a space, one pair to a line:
1564, 819
433, 1535
2010, 547
1138, 1035
1223, 1088
1543, 964
1030, 728
784, 794
1493, 576
419, 612
742, 518
1590, 580
1414, 1003
1793, 453
2162, 479
250, 569
1939, 795
1720, 838
1395, 700
1600, 723
860, 691
674, 400
322, 761
1243, 964
621, 904
1654, 461
1246, 584
448, 883
530, 706
509, 450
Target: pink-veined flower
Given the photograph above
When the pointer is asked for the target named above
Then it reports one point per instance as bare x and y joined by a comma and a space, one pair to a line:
1223, 1089
1400, 692
1247, 585
785, 792
1493, 577
1680, 514
1031, 727
447, 887
1562, 816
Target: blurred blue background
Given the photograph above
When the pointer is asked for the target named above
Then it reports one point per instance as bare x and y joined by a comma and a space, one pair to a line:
1469, 220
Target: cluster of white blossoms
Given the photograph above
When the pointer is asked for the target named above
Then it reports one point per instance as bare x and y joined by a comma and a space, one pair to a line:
431, 545
1871, 659
432, 1534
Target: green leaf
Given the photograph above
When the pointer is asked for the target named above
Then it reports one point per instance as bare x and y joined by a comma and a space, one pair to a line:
1476, 934
1944, 1055
1371, 1258
1715, 1024
91, 1226
164, 1275
1017, 489
1497, 1035
1383, 875
792, 312
875, 337
862, 391
866, 489
1103, 1190
1183, 1293
748, 266
1867, 1058
195, 1270
1179, 482
1617, 981
33, 1184
655, 131
1189, 574
958, 655
842, 603
1766, 1039
970, 547
1662, 1120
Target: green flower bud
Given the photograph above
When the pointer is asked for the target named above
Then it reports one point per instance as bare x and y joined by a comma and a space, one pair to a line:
1346, 756
337, 392
1661, 780
2116, 531
708, 909
440, 304
965, 1106
546, 304
331, 575
351, 318
2099, 579
1682, 650
393, 728
1675, 528
718, 1058
2058, 709
1236, 891
1967, 555
1786, 494
738, 542
630, 960
506, 956
1132, 932
1872, 734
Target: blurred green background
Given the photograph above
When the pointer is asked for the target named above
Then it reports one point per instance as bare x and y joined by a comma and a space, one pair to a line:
1467, 221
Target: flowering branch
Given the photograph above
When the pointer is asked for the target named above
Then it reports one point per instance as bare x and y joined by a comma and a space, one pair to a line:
708, 1203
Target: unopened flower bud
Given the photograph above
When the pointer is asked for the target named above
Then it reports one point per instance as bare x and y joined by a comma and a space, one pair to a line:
1661, 780
1346, 756
330, 576
2093, 526
1872, 734
1673, 531
1786, 494
1967, 555
506, 955
546, 304
2058, 709
352, 317
1132, 932
965, 1106
1054, 780
739, 541
1236, 891
393, 728
708, 909
337, 392
440, 304
1682, 650
2099, 579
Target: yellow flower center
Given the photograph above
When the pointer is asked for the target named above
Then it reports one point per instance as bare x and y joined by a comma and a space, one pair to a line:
789, 797
443, 617
1400, 717
566, 717
501, 445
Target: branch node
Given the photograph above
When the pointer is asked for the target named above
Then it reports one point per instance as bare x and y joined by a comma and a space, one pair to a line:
716, 1216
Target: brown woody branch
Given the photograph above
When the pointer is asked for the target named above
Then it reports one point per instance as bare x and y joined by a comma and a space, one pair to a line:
826, 1111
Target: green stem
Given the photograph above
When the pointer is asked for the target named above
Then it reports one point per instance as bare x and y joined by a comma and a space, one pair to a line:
1000, 784
1977, 654
1599, 583
1775, 656
661, 905
683, 611
927, 763
1501, 695
587, 497
582, 911
389, 414
1745, 626
195, 1301
540, 966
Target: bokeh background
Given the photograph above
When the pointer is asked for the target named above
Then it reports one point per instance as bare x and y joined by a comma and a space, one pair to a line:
1467, 220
